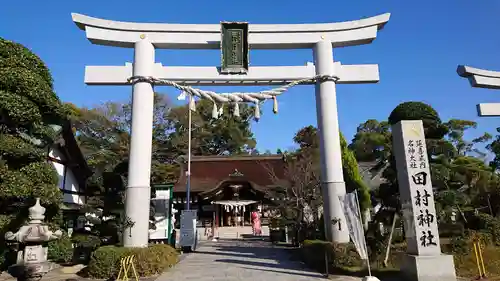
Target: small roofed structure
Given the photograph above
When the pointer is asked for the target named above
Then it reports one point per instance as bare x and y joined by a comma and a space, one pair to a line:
226, 188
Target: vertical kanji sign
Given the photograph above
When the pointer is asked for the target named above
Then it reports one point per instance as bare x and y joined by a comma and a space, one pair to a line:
415, 188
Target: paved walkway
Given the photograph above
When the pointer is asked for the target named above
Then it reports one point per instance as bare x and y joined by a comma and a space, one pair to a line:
240, 261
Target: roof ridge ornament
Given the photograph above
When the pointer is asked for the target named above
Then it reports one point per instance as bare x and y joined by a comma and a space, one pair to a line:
236, 173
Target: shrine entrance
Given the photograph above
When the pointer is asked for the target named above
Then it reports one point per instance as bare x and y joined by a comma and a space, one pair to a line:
232, 202
235, 41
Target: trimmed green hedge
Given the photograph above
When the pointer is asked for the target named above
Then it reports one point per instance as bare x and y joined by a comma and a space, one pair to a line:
486, 224
343, 257
314, 253
84, 244
60, 250
153, 260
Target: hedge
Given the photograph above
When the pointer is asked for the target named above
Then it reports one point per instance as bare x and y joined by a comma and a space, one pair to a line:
343, 257
153, 260
60, 250
84, 245
314, 253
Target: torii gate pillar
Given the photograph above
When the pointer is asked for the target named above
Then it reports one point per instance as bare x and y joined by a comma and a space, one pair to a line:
332, 177
145, 37
138, 191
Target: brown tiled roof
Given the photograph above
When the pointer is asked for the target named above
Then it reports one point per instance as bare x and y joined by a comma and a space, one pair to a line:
207, 172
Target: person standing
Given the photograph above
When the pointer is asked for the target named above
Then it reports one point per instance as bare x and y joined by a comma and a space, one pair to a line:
256, 225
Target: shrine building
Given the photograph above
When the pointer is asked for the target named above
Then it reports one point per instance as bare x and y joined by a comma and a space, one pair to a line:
225, 189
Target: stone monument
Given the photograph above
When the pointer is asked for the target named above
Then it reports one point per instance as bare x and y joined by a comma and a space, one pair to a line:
32, 261
423, 260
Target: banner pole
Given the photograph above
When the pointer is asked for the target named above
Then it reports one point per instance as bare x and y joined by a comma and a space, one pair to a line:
363, 232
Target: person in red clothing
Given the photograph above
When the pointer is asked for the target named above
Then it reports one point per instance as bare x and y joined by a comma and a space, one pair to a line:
256, 226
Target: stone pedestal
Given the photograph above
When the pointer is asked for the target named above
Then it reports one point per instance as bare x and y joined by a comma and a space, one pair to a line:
428, 268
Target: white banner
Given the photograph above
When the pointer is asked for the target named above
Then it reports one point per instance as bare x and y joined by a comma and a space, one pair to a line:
349, 203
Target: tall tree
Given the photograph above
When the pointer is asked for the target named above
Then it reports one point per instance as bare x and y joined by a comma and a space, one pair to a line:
302, 180
494, 147
372, 141
308, 141
31, 115
456, 133
457, 177
103, 134
226, 135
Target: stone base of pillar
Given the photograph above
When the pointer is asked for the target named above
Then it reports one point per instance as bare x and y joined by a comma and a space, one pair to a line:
428, 268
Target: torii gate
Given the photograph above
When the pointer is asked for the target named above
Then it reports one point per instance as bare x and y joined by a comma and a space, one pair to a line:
481, 78
145, 37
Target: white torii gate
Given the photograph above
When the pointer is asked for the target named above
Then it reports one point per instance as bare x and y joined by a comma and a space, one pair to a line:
145, 37
481, 78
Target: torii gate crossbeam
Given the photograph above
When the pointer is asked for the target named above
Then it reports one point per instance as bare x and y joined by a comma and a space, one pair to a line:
481, 78
145, 37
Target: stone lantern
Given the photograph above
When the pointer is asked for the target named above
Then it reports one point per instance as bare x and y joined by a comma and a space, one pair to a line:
32, 261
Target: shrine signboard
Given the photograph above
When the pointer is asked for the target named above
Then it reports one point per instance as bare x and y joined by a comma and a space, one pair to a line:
415, 188
234, 48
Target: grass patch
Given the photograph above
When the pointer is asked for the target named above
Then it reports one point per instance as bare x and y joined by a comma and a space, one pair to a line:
466, 265
344, 260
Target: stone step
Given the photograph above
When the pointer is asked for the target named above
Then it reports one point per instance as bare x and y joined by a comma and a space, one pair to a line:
227, 232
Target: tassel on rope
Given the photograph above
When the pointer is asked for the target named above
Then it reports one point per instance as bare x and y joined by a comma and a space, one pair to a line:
257, 111
275, 105
215, 112
221, 110
236, 111
192, 103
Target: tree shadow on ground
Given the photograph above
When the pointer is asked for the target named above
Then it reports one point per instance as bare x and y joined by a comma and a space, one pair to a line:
305, 274
226, 254
254, 237
278, 265
388, 274
247, 251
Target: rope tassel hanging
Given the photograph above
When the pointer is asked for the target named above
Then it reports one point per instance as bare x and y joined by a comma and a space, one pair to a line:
221, 110
257, 111
192, 103
236, 111
275, 105
215, 111
233, 98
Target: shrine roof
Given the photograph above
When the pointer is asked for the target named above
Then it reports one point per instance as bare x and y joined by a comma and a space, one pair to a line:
74, 156
207, 172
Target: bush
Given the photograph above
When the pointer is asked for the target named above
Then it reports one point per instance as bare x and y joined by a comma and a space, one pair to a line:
339, 255
60, 250
343, 258
463, 244
85, 244
105, 261
86, 241
486, 224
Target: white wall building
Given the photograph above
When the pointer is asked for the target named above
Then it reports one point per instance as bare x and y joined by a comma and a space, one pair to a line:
69, 162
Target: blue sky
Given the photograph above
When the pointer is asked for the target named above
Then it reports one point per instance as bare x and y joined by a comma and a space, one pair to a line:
417, 52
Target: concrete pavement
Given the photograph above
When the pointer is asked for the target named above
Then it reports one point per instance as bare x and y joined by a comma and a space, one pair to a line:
240, 260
